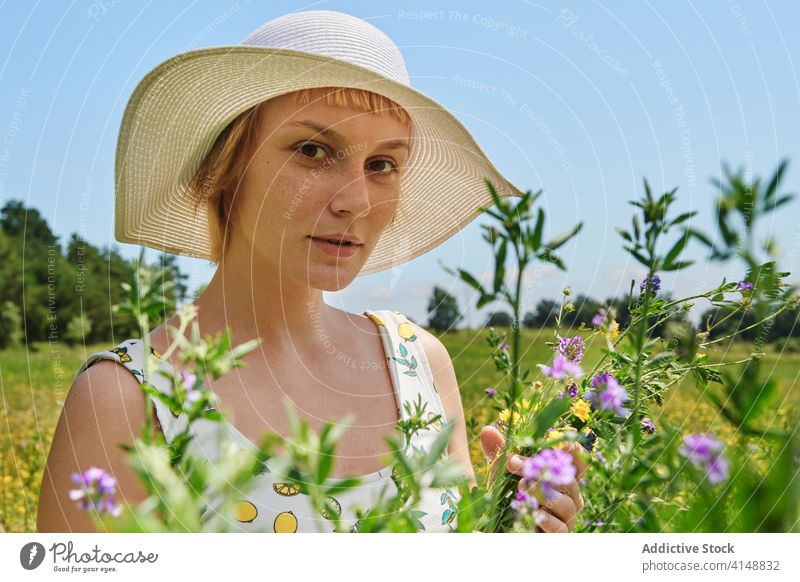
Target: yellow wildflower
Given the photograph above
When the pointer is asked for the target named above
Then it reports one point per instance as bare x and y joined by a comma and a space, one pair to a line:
613, 330
506, 414
581, 409
523, 404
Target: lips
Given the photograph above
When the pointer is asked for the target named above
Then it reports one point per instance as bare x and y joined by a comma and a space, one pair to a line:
334, 241
335, 249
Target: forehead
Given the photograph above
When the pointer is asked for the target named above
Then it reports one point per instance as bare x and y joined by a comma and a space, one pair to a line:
282, 116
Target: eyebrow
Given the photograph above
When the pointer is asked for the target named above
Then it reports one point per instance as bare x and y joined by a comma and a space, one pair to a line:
401, 143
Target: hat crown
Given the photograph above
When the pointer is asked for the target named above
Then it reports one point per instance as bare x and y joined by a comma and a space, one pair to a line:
334, 34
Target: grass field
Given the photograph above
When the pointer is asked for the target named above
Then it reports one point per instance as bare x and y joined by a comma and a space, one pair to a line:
33, 385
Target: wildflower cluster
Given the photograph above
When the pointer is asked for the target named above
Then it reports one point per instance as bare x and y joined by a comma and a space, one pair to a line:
96, 491
704, 451
549, 469
607, 394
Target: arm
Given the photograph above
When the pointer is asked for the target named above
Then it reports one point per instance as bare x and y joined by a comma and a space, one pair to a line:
444, 376
104, 408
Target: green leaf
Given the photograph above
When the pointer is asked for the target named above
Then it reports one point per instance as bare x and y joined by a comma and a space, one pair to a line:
660, 359
470, 280
499, 265
676, 249
493, 192
761, 397
537, 231
561, 239
677, 266
772, 187
683, 218
624, 234
484, 299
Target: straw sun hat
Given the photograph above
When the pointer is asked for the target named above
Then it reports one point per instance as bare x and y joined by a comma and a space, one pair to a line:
180, 107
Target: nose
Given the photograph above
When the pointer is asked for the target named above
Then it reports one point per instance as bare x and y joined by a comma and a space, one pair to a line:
350, 183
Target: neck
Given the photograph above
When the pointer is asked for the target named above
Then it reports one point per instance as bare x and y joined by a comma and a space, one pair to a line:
251, 297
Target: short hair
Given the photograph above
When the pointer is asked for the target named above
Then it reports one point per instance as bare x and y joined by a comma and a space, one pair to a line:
215, 181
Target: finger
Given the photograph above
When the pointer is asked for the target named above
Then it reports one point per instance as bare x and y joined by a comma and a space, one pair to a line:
514, 464
492, 442
551, 524
574, 491
562, 507
580, 458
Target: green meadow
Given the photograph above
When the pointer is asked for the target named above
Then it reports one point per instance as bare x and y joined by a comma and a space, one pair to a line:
34, 382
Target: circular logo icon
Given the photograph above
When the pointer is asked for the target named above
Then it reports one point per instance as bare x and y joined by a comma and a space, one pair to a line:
31, 555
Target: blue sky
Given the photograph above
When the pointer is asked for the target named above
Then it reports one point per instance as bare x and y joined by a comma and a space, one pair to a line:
581, 99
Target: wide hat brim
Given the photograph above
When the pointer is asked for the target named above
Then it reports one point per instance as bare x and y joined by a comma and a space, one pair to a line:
180, 107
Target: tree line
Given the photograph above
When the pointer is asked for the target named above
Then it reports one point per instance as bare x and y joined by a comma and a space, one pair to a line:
445, 315
50, 292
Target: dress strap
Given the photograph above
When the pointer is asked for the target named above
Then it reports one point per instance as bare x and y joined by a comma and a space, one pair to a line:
410, 371
130, 354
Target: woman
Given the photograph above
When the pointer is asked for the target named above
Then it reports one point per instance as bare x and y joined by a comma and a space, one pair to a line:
327, 143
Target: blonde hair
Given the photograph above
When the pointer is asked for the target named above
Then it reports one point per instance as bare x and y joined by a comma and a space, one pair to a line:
219, 174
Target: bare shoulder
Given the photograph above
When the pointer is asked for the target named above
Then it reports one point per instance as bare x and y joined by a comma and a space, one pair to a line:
104, 409
443, 371
435, 350
446, 383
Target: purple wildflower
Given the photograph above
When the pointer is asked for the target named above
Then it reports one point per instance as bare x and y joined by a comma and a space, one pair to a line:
189, 380
703, 450
651, 284
96, 492
491, 391
571, 348
550, 467
648, 426
523, 501
504, 346
745, 286
573, 390
600, 318
607, 394
562, 368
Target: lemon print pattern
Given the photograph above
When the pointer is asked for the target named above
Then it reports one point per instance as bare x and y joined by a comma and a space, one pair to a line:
436, 424
285, 489
406, 332
246, 512
285, 522
122, 353
336, 506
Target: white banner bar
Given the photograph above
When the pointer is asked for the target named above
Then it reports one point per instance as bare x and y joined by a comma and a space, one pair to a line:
331, 557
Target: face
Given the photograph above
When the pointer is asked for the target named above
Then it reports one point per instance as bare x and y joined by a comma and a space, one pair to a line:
319, 171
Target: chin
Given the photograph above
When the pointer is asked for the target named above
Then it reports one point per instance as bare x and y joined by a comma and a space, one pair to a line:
331, 277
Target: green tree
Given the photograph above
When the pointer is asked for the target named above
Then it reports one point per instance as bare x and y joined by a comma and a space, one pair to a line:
10, 325
499, 319
78, 329
443, 310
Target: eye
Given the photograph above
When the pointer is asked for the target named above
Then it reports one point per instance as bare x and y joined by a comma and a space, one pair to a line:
308, 146
385, 170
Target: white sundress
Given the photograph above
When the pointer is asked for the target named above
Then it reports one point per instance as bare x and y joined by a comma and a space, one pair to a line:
275, 506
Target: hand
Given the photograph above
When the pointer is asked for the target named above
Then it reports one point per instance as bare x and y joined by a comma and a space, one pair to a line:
560, 511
